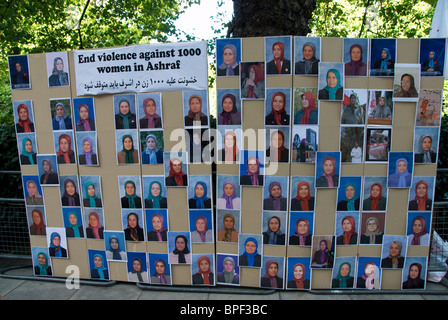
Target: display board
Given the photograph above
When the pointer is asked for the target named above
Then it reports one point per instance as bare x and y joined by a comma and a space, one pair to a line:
325, 152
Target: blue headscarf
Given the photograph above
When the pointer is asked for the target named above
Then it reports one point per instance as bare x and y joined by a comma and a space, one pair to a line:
251, 256
26, 153
385, 61
350, 202
402, 176
332, 91
102, 268
59, 119
75, 226
200, 201
43, 267
343, 280
130, 197
155, 200
57, 250
152, 153
92, 203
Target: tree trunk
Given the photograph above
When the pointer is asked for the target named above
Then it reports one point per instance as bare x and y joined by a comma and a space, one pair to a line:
260, 18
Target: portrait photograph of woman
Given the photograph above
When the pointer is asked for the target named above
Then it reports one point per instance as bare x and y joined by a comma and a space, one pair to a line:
272, 272
228, 144
57, 69
73, 222
277, 107
301, 227
57, 242
381, 107
277, 142
125, 111
199, 192
344, 273
201, 226
228, 107
352, 144
64, 146
137, 267
27, 146
47, 169
382, 57
353, 111
150, 110
347, 226
307, 52
127, 146
414, 273
429, 108
228, 192
41, 261
69, 190
327, 169
36, 220
159, 269
154, 192
19, 73
375, 193
406, 82
84, 110
227, 270
87, 148
306, 105
372, 226
378, 144
419, 228
252, 168
152, 146
305, 143
426, 143
278, 54
91, 191
349, 194
133, 224
99, 268
179, 245
23, 116
276, 193
400, 169
298, 273
156, 225
421, 194
331, 81
432, 56
322, 251
202, 270
356, 56
250, 249
303, 193
274, 228
175, 169
252, 80
228, 57
228, 225
368, 273
115, 246
195, 106
130, 192
94, 223
61, 114
32, 190
393, 251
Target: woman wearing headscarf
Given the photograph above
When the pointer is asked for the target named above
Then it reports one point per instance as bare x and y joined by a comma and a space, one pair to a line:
49, 176
28, 156
42, 268
302, 235
85, 123
99, 271
334, 89
309, 63
228, 274
303, 201
349, 203
401, 178
309, 113
270, 278
431, 65
419, 236
195, 115
38, 228
228, 199
373, 234
181, 254
130, 199
356, 67
298, 281
349, 235
273, 235
34, 198
424, 153
230, 152
343, 280
229, 233
151, 119
127, 154
61, 121
275, 201
158, 232
253, 85
70, 197
58, 76
152, 154
370, 279
160, 276
278, 115
250, 256
125, 119
394, 259
133, 231
94, 230
175, 176
407, 87
137, 274
385, 63
375, 201
56, 250
155, 200
74, 228
322, 256
279, 64
65, 154
90, 199
200, 200
24, 125
115, 252
382, 111
252, 176
204, 275
202, 233
229, 114
229, 66
414, 280
329, 178
421, 202
87, 157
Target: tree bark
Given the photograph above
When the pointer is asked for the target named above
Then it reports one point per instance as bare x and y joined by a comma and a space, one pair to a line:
260, 18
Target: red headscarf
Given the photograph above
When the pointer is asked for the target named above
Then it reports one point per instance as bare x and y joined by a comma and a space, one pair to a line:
69, 152
311, 106
204, 273
41, 225
177, 175
230, 153
299, 282
24, 123
303, 201
276, 152
348, 234
375, 201
259, 76
278, 114
421, 201
416, 239
278, 61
